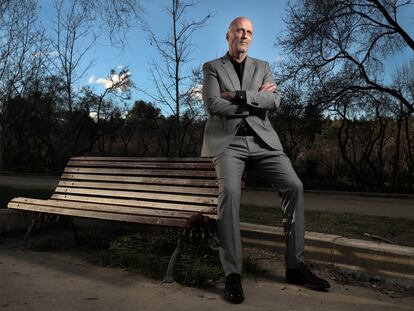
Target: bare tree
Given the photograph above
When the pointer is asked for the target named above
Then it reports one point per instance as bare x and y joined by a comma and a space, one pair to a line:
339, 49
118, 87
171, 76
72, 40
404, 148
75, 34
27, 60
18, 64
327, 39
116, 17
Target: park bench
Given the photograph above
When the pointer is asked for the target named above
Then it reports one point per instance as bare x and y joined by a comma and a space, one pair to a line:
172, 192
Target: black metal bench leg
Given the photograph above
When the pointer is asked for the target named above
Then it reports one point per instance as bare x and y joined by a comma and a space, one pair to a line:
27, 234
75, 232
36, 220
60, 220
169, 278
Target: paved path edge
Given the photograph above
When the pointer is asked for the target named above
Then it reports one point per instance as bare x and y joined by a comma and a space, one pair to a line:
389, 262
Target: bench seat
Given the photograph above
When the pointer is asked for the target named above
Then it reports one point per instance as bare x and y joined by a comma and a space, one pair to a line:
155, 191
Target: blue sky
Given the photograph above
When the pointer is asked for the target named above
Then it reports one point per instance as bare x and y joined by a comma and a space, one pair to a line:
209, 42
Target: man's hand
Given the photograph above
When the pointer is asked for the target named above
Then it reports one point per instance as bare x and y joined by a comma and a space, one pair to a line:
228, 95
268, 87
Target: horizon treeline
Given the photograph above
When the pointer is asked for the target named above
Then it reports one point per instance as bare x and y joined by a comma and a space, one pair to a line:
360, 154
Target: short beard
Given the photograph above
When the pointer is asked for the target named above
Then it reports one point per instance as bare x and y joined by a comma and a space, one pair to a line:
241, 49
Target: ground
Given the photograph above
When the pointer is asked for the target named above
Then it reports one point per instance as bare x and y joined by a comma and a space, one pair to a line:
64, 280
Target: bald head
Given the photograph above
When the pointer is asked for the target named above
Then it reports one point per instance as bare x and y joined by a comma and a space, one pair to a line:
235, 21
239, 36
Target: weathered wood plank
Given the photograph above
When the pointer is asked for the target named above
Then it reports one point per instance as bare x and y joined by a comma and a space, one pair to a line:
158, 165
143, 172
143, 159
205, 209
138, 195
106, 208
172, 222
140, 187
144, 179
157, 191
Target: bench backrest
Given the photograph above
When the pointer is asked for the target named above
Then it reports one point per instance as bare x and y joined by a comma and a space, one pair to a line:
159, 191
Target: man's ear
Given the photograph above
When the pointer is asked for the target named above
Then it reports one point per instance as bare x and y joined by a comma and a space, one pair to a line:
227, 36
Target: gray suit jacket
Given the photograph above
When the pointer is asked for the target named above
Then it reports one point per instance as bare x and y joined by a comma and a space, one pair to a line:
225, 116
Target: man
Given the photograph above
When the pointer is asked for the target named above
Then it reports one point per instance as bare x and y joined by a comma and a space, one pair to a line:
238, 92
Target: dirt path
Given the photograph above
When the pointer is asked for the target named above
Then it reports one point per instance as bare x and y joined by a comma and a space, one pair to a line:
64, 281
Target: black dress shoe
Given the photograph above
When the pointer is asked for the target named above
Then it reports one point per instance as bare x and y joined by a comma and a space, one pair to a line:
303, 276
233, 290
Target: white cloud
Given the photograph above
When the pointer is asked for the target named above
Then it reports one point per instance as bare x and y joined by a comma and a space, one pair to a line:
92, 79
94, 116
195, 92
109, 82
103, 81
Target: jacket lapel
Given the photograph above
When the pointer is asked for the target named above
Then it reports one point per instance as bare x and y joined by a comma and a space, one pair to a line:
231, 73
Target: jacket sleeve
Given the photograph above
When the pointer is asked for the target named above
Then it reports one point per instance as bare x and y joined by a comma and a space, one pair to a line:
264, 100
214, 104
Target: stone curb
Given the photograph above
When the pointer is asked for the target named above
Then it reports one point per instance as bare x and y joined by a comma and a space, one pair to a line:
391, 263
388, 262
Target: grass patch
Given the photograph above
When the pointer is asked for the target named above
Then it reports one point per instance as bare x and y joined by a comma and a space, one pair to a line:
398, 230
137, 251
8, 193
149, 253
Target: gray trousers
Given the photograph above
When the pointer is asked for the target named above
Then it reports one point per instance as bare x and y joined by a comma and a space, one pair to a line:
277, 168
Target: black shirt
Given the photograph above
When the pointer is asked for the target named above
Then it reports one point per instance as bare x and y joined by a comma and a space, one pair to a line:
243, 129
239, 68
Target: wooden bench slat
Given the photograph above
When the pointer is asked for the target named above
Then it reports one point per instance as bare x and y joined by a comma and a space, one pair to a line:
137, 203
173, 222
143, 172
139, 195
143, 159
155, 165
107, 208
159, 191
140, 187
146, 180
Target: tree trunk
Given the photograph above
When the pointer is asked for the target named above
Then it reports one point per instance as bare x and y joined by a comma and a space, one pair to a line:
396, 157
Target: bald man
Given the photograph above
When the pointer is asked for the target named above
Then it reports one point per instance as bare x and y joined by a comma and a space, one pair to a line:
238, 93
